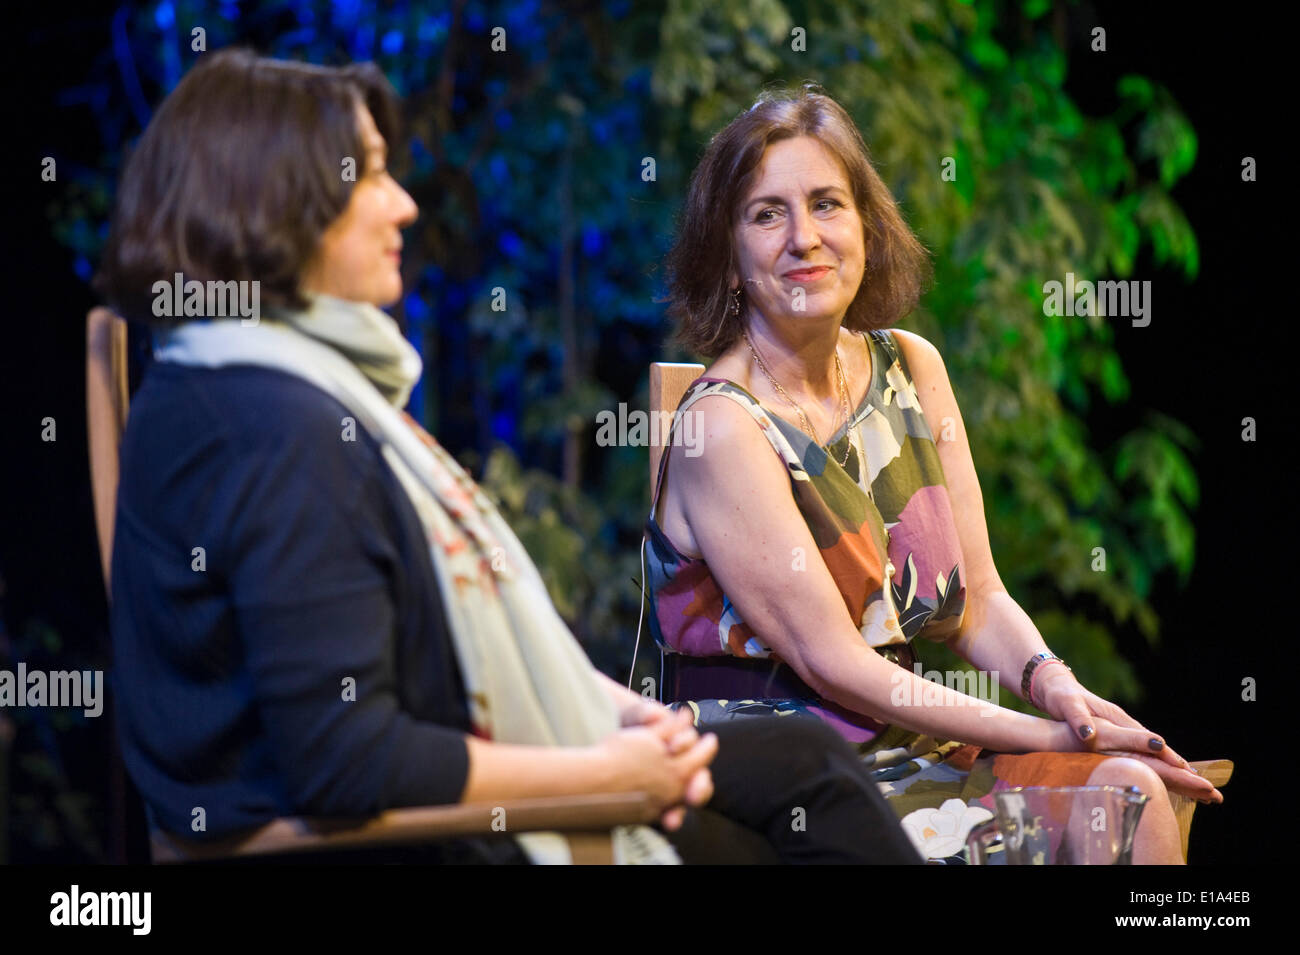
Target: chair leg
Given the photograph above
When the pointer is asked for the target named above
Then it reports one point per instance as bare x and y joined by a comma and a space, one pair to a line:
1217, 771
1183, 809
591, 848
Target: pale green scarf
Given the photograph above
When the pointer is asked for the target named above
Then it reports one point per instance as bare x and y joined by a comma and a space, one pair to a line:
526, 677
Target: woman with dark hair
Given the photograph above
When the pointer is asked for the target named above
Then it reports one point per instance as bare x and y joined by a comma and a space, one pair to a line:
315, 610
824, 527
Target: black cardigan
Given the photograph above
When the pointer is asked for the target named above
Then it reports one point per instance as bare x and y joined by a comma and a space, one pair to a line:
232, 665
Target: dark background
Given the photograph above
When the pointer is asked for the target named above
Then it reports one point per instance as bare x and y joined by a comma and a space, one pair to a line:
1213, 355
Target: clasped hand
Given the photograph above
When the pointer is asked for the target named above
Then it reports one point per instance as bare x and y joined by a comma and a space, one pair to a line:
661, 752
1097, 725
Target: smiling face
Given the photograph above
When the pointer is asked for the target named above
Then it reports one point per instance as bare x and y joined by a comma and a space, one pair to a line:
799, 227
359, 254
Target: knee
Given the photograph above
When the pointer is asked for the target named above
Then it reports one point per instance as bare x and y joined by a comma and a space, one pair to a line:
1124, 772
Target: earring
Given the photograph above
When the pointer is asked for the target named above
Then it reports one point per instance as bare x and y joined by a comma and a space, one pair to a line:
735, 301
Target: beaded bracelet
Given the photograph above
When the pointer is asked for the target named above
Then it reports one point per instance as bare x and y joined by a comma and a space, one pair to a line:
1031, 670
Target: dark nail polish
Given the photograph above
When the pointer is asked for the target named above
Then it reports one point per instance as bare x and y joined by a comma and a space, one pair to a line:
1085, 732
1156, 744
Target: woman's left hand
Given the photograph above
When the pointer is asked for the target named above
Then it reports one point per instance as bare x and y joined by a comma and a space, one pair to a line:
1063, 697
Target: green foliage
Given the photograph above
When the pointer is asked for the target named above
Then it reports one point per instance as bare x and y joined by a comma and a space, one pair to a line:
591, 575
53, 816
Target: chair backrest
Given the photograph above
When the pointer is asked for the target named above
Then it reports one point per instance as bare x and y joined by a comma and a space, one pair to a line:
107, 400
107, 397
668, 382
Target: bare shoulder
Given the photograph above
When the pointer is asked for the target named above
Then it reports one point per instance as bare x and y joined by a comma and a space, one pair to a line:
917, 351
929, 377
723, 424
727, 468
727, 436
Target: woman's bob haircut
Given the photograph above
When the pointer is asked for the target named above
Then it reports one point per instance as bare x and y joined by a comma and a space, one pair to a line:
703, 257
240, 171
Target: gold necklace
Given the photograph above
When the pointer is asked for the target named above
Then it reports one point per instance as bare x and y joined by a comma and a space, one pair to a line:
807, 425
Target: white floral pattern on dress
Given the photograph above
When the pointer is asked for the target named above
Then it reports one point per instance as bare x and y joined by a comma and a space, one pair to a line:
939, 833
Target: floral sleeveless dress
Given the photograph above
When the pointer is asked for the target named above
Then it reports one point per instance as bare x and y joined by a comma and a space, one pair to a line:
884, 527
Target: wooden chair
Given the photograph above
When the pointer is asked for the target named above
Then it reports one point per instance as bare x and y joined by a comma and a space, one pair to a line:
669, 381
584, 820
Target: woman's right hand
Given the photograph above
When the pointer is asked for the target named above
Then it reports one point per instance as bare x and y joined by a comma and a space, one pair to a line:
665, 759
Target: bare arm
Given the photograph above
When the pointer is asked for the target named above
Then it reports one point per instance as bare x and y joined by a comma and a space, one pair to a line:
748, 531
996, 635
499, 771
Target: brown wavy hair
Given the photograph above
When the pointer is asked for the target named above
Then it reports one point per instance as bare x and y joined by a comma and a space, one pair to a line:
238, 174
704, 254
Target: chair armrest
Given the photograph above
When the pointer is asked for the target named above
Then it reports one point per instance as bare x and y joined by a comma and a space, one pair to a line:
1217, 771
573, 814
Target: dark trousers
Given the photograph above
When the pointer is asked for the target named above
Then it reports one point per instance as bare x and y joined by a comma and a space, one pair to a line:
789, 789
